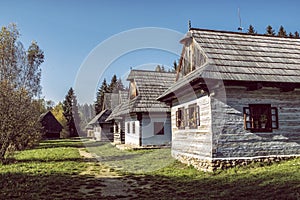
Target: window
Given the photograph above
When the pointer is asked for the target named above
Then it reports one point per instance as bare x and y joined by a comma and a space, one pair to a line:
260, 118
128, 127
133, 127
180, 118
159, 128
194, 116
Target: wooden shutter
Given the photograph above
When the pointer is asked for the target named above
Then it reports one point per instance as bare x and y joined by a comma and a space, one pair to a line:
198, 115
274, 117
177, 118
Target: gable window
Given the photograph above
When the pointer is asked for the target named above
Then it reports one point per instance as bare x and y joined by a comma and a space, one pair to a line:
133, 127
260, 118
159, 128
180, 123
194, 116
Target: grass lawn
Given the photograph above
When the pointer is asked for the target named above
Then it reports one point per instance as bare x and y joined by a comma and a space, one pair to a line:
55, 170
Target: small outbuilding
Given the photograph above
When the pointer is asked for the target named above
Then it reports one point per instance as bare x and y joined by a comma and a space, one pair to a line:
51, 127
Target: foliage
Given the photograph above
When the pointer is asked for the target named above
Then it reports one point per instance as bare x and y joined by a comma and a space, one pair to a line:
57, 112
86, 112
270, 31
17, 65
175, 66
100, 97
71, 114
282, 32
20, 126
115, 86
251, 30
20, 75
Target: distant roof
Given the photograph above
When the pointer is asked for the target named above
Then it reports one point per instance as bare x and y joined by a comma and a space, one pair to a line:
100, 118
51, 121
150, 84
236, 56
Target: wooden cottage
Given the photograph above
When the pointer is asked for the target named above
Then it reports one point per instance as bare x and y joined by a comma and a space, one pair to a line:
103, 129
51, 127
236, 99
147, 121
118, 121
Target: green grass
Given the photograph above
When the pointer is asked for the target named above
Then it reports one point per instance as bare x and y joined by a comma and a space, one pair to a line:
54, 170
132, 161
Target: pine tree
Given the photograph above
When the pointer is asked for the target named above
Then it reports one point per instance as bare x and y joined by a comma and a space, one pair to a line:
296, 35
71, 114
270, 31
163, 68
113, 84
291, 35
119, 85
175, 66
282, 32
251, 30
100, 97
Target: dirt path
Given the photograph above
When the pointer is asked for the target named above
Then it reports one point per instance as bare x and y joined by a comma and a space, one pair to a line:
112, 184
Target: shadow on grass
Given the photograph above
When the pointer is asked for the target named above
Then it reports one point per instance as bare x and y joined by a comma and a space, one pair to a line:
75, 143
26, 186
161, 187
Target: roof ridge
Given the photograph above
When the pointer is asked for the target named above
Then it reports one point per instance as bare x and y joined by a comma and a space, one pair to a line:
241, 33
145, 70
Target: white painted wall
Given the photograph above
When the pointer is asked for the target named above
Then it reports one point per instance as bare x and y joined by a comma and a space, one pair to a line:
148, 135
130, 137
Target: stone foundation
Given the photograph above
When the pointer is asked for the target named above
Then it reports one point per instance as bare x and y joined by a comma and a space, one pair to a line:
208, 165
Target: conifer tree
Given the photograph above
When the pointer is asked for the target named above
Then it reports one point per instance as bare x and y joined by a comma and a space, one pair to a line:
174, 66
113, 84
100, 97
119, 85
296, 35
251, 30
270, 31
71, 114
282, 32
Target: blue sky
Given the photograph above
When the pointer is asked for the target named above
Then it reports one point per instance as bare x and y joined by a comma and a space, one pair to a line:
69, 30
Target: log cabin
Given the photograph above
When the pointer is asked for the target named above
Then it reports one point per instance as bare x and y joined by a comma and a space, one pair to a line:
236, 99
50, 126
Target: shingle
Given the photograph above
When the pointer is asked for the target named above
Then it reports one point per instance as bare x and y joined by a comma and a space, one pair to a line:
150, 84
243, 57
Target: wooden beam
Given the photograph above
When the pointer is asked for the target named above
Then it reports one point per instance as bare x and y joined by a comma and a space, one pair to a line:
180, 63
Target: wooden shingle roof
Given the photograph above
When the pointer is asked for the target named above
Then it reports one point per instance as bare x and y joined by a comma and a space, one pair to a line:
235, 56
150, 85
100, 118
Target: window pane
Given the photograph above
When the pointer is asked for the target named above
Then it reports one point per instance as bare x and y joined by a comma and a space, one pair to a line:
158, 128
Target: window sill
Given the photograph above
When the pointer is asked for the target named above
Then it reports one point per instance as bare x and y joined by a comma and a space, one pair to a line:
261, 130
